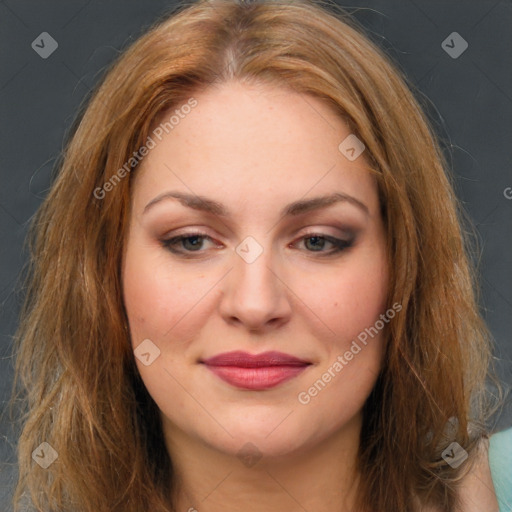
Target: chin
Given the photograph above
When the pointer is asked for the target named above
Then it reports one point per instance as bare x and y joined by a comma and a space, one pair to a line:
271, 436
254, 445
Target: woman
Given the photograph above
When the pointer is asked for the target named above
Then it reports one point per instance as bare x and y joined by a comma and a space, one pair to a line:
249, 285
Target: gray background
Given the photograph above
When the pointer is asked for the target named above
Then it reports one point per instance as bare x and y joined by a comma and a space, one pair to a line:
469, 100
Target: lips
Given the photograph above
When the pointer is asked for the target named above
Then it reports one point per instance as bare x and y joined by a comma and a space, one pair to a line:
255, 371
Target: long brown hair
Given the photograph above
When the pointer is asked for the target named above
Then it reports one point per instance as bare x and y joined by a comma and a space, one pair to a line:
81, 392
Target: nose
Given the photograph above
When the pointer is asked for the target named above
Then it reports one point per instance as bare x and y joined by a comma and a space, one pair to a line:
254, 295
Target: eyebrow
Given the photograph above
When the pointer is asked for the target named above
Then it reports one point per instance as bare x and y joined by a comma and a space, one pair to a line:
296, 208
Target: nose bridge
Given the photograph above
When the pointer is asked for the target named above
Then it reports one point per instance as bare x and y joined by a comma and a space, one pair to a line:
254, 294
253, 269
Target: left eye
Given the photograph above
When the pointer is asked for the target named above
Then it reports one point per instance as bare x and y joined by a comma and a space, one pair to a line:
318, 242
193, 243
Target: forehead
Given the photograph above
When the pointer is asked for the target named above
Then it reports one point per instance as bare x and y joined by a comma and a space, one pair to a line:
244, 143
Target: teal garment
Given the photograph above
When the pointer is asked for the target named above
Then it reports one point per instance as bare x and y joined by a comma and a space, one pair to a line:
500, 461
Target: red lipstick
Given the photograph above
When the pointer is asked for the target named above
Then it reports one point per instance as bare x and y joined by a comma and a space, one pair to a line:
255, 371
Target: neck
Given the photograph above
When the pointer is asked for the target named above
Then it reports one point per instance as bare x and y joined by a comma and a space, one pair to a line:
321, 477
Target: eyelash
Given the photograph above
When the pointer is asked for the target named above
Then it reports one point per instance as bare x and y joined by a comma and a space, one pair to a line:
339, 245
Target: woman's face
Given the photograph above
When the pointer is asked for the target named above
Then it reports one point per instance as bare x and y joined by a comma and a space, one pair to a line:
265, 265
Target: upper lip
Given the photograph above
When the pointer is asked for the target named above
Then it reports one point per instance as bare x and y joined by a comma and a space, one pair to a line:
246, 360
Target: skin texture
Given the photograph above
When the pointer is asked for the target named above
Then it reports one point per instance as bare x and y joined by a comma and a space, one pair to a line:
255, 149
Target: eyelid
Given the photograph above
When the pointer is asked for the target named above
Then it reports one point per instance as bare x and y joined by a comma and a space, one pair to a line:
168, 241
340, 244
314, 228
188, 231
347, 234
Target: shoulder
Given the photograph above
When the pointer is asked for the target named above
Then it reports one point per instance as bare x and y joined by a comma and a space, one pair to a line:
487, 487
500, 462
477, 492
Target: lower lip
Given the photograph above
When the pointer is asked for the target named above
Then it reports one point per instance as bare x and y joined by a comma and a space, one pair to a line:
256, 378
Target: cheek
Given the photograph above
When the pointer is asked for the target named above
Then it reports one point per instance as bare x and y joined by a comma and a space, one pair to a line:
349, 298
353, 298
161, 301
338, 388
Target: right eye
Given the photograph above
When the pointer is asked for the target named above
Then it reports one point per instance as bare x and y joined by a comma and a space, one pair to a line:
186, 243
